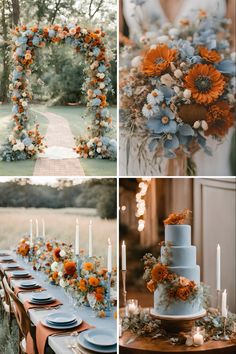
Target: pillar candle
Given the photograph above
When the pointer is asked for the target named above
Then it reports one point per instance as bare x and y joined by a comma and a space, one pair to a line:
43, 227
31, 231
77, 237
37, 227
224, 311
109, 257
123, 253
198, 338
90, 239
218, 270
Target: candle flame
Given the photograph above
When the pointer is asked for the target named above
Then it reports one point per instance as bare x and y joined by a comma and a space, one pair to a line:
123, 243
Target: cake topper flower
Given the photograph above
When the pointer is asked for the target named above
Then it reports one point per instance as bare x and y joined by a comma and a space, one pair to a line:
177, 218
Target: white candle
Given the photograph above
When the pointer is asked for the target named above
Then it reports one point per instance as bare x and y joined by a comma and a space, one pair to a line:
77, 237
31, 231
218, 268
132, 308
120, 330
123, 249
43, 227
109, 257
224, 311
198, 338
90, 239
37, 227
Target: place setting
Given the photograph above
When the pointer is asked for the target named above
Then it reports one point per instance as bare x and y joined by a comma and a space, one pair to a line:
18, 274
13, 266
7, 259
98, 340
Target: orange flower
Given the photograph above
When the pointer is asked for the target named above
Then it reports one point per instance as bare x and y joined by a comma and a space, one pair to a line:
177, 218
158, 60
88, 266
159, 272
55, 275
99, 297
49, 246
93, 281
24, 249
100, 290
70, 267
205, 83
219, 119
209, 55
151, 285
183, 293
56, 253
82, 285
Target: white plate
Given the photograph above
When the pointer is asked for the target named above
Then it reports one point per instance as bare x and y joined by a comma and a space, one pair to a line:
42, 296
20, 273
54, 326
28, 283
61, 318
100, 336
7, 259
99, 349
13, 266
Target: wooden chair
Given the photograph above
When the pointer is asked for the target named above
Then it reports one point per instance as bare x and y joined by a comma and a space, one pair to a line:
7, 303
25, 325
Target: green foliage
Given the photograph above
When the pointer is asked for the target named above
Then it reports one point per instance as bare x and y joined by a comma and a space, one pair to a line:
100, 194
8, 340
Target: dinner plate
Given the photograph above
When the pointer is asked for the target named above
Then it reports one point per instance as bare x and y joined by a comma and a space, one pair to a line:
7, 259
42, 296
61, 318
100, 336
44, 302
36, 286
28, 283
4, 255
68, 326
20, 273
62, 324
99, 349
13, 266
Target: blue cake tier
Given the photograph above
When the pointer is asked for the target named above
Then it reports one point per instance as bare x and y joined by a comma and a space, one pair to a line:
175, 308
191, 273
179, 256
178, 235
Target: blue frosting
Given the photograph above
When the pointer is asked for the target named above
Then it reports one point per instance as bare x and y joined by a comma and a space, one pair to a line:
180, 256
178, 235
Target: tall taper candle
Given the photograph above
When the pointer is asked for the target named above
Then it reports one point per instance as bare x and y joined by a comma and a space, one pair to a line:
31, 231
109, 257
218, 270
43, 227
37, 227
224, 310
90, 239
123, 253
77, 237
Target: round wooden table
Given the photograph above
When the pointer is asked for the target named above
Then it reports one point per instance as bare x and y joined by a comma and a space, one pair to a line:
148, 345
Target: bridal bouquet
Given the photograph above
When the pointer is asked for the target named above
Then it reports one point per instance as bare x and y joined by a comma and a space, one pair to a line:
180, 90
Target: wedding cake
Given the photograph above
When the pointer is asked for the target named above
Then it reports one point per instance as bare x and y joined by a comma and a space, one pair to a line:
175, 276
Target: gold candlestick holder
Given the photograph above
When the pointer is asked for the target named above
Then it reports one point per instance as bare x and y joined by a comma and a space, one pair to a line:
124, 287
218, 300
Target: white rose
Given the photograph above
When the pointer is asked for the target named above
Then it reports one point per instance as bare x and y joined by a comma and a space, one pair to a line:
24, 104
187, 93
30, 147
167, 80
196, 124
54, 266
90, 153
178, 73
84, 31
204, 125
62, 283
102, 85
11, 87
15, 147
136, 61
21, 146
62, 253
24, 94
99, 150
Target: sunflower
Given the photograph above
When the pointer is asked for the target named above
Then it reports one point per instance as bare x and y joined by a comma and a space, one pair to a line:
209, 55
219, 119
158, 60
205, 83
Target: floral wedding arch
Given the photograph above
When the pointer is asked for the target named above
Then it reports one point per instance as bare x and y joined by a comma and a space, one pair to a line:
25, 140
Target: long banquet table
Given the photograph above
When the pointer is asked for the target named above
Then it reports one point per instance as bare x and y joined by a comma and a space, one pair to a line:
59, 344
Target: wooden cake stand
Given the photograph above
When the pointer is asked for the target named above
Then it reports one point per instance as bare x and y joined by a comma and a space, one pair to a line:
176, 324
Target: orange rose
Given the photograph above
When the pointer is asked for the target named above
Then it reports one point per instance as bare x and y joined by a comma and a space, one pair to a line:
151, 285
99, 297
100, 290
56, 253
159, 272
70, 268
55, 275
183, 293
93, 281
82, 285
88, 266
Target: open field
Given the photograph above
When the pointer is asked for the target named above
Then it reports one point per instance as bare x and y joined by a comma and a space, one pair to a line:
60, 224
77, 123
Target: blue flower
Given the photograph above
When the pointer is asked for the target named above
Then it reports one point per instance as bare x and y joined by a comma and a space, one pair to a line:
36, 40
21, 40
97, 92
15, 109
163, 122
101, 68
96, 102
19, 52
226, 67
171, 143
51, 33
167, 92
105, 112
27, 141
96, 51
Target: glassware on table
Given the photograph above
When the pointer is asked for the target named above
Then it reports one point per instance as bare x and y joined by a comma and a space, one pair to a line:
132, 307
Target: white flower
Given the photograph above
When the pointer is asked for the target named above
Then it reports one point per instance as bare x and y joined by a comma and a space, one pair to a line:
102, 85
231, 98
136, 61
178, 73
196, 124
187, 93
84, 31
62, 253
89, 144
204, 125
167, 80
60, 274
99, 150
11, 87
176, 89
101, 75
30, 147
155, 97
38, 253
99, 143
24, 104
62, 283
91, 153
11, 137
162, 39
24, 94
148, 110
54, 266
173, 32
18, 146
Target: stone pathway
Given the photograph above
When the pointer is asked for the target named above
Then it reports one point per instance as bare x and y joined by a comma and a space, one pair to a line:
58, 135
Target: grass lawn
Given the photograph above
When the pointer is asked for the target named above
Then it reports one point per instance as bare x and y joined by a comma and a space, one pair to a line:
78, 124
